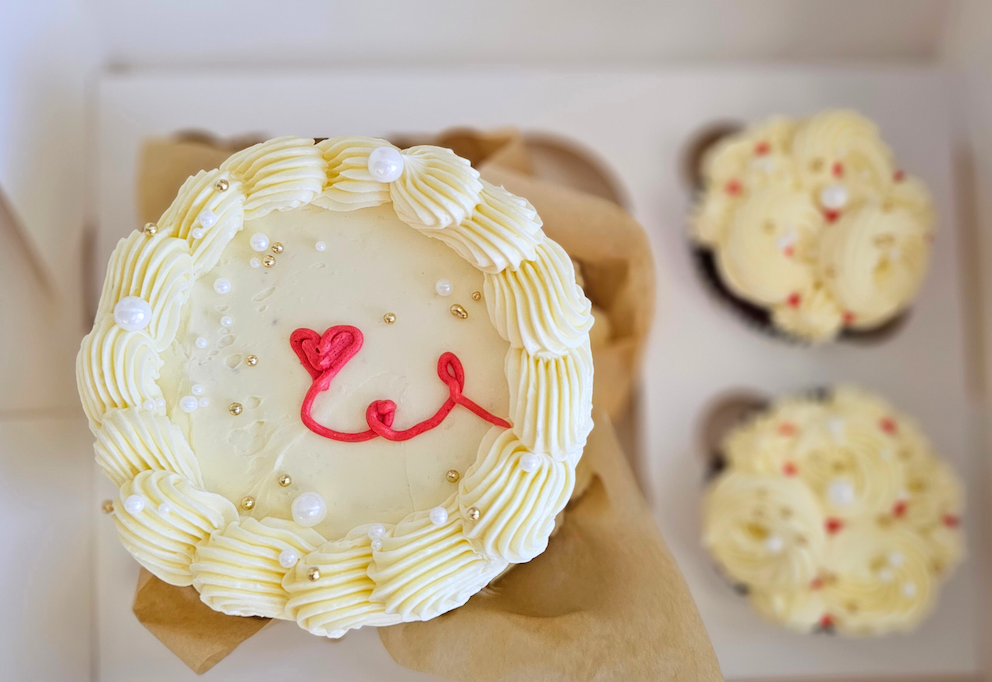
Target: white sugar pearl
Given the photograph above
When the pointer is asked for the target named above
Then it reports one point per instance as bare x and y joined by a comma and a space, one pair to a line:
320, 246
309, 509
196, 389
226, 321
530, 462
160, 403
376, 530
443, 287
376, 544
259, 242
840, 492
188, 403
887, 453
197, 232
763, 163
288, 558
774, 544
201, 342
222, 285
836, 427
909, 590
165, 508
255, 263
439, 516
896, 559
148, 404
385, 164
203, 402
207, 218
833, 197
886, 575
134, 504
132, 313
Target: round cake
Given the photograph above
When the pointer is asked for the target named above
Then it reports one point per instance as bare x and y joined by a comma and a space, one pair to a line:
834, 513
810, 229
339, 383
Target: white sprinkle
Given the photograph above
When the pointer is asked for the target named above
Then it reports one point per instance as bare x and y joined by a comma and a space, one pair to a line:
443, 287
160, 403
197, 232
188, 403
320, 246
165, 508
376, 530
207, 218
255, 263
201, 342
530, 462
196, 389
834, 197
385, 164
886, 575
909, 590
134, 504
836, 427
774, 544
896, 559
439, 516
840, 492
376, 544
222, 285
288, 558
132, 313
148, 404
203, 402
226, 321
259, 242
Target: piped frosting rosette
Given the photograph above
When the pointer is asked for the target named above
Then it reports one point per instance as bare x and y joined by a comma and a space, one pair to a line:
811, 222
380, 574
834, 514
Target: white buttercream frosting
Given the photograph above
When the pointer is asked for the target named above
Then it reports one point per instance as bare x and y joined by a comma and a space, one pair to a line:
133, 440
812, 221
278, 175
437, 188
881, 514
164, 542
350, 186
236, 569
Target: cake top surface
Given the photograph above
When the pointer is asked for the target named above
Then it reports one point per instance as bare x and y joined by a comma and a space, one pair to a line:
339, 372
835, 513
813, 221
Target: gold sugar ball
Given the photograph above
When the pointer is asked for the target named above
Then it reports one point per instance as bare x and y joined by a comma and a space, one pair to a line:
277, 247
313, 574
473, 513
221, 185
389, 318
285, 480
269, 261
251, 360
107, 507
476, 295
248, 502
235, 408
459, 312
452, 475
150, 229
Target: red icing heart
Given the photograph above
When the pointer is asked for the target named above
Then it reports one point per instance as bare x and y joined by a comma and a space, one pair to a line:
327, 352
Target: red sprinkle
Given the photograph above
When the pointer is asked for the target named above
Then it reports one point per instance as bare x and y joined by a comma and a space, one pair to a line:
952, 520
849, 317
834, 525
826, 621
794, 300
887, 424
787, 428
831, 215
899, 176
733, 187
762, 148
816, 584
789, 469
838, 170
789, 251
899, 508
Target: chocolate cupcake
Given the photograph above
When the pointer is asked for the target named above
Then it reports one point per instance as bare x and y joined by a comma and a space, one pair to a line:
809, 229
833, 513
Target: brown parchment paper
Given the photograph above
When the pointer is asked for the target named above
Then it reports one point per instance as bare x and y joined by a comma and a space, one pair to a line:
605, 601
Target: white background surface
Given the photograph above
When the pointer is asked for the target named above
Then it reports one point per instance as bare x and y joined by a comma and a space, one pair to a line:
638, 122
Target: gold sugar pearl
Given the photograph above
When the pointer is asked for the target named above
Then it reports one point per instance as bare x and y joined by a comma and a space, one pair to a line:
277, 247
251, 360
389, 318
816, 165
884, 241
473, 513
269, 261
452, 476
248, 502
235, 408
221, 185
459, 312
313, 574
107, 507
150, 229
476, 295
285, 480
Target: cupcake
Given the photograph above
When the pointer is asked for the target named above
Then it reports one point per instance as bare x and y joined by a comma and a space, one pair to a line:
833, 513
809, 228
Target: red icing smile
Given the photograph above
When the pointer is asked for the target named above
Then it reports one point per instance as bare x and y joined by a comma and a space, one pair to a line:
324, 355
